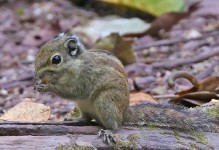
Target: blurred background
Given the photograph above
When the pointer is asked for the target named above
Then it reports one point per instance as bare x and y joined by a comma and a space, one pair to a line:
152, 38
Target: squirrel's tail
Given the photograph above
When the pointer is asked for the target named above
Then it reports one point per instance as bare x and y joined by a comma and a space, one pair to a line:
175, 116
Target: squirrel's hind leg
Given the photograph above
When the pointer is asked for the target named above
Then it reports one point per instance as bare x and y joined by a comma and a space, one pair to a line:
107, 113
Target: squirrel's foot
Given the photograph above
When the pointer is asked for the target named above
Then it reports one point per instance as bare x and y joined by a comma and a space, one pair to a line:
107, 137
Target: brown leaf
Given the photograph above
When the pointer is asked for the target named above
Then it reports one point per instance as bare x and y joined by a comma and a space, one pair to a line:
202, 91
28, 111
209, 84
136, 98
195, 98
167, 20
119, 46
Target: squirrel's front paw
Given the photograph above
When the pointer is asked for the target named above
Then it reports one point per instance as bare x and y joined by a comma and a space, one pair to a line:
107, 137
41, 87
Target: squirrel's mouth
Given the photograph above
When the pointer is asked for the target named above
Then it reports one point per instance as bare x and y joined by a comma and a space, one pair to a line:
45, 81
43, 76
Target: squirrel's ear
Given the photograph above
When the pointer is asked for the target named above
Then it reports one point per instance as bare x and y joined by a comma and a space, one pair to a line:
72, 46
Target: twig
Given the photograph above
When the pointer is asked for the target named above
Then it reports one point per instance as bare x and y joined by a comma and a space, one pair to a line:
208, 71
164, 96
24, 79
9, 85
173, 41
185, 61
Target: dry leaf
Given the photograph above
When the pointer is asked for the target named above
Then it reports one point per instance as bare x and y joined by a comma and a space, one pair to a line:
99, 28
165, 21
119, 46
209, 84
27, 111
195, 98
202, 91
136, 98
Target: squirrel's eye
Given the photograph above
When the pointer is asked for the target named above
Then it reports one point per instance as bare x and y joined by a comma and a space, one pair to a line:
56, 59
72, 47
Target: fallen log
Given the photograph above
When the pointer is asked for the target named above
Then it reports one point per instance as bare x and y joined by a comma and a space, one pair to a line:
51, 136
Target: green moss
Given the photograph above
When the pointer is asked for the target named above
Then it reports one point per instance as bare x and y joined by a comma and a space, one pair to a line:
120, 143
75, 113
193, 146
177, 135
20, 12
133, 140
152, 125
130, 143
214, 112
202, 138
74, 147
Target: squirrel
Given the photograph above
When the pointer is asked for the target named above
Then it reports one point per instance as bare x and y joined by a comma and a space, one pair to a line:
97, 81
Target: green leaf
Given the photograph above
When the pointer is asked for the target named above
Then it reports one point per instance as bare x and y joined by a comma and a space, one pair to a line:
154, 7
20, 12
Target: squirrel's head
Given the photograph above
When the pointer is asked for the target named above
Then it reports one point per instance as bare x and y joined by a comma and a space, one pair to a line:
56, 56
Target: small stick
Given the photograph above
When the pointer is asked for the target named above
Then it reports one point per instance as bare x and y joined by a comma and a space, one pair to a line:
185, 61
164, 96
174, 41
